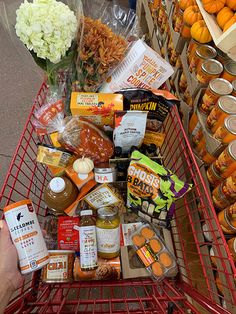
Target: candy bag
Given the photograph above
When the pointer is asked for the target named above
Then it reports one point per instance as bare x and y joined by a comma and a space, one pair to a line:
152, 189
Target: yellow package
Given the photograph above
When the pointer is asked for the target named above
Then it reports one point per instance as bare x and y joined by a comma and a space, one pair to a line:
54, 139
97, 107
152, 137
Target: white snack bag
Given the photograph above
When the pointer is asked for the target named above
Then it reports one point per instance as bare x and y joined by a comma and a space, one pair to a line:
141, 68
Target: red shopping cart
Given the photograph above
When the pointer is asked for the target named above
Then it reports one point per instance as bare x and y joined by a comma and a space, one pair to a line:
194, 290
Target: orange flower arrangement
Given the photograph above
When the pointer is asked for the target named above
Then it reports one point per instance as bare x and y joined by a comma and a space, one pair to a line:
99, 51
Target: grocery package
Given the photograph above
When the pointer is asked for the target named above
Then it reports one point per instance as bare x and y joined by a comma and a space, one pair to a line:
85, 139
129, 129
141, 68
152, 251
55, 157
68, 233
98, 107
152, 189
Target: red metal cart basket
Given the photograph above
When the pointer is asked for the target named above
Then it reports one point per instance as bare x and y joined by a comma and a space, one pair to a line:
194, 290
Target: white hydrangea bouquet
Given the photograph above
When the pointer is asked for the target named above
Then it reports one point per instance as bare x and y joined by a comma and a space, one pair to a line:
47, 28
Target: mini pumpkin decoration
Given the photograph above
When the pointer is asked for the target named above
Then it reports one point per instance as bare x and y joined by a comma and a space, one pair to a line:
200, 32
230, 23
192, 14
83, 165
213, 6
224, 16
231, 4
184, 4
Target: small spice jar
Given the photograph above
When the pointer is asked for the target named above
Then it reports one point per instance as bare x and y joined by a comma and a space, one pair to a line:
108, 232
225, 163
213, 176
105, 173
216, 88
227, 219
227, 132
203, 53
234, 88
229, 71
209, 69
225, 106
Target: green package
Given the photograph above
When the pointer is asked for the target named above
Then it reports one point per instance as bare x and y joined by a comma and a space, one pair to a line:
152, 189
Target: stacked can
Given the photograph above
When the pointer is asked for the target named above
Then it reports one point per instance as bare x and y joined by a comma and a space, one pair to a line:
200, 54
208, 70
229, 72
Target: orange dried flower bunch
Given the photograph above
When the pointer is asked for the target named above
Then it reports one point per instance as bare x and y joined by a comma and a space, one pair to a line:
100, 51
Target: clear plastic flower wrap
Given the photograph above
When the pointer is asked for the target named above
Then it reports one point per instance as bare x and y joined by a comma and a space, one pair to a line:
106, 33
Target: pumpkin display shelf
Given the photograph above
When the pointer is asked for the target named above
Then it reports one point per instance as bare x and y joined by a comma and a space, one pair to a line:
226, 41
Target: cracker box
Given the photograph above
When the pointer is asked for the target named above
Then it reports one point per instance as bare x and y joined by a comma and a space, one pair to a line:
97, 107
143, 67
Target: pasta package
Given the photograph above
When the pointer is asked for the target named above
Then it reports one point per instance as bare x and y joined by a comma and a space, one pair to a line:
152, 189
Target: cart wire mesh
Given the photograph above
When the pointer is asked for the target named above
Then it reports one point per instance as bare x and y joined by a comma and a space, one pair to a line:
203, 284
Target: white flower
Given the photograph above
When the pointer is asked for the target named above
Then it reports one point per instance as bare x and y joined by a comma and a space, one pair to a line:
47, 27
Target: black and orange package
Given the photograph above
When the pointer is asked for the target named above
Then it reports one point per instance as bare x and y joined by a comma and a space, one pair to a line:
152, 189
157, 102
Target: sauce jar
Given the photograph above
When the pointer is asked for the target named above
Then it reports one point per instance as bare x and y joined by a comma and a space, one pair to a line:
59, 194
208, 158
182, 82
234, 88
227, 219
225, 163
216, 88
227, 132
229, 71
213, 176
105, 173
203, 53
232, 247
209, 69
225, 106
219, 198
108, 232
60, 267
193, 122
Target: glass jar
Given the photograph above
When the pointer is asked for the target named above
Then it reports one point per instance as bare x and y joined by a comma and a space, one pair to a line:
209, 69
227, 132
229, 71
108, 232
227, 219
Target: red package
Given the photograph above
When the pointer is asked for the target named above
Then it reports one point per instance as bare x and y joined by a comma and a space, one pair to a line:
68, 233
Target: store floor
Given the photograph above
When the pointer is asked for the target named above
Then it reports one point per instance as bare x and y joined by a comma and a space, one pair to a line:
20, 80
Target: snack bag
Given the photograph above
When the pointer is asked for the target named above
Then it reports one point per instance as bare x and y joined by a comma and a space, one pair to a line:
152, 189
83, 138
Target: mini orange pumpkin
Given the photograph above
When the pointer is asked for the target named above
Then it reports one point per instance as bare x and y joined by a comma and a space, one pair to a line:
230, 23
224, 16
200, 32
231, 4
213, 6
192, 14
184, 4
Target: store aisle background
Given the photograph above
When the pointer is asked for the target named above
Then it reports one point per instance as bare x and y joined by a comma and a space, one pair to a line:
20, 79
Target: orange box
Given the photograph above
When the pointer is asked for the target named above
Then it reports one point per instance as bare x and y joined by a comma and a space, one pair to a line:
97, 107
76, 179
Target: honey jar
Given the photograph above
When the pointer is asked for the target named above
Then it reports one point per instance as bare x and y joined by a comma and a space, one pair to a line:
232, 247
178, 21
227, 219
225, 106
225, 163
213, 176
229, 71
227, 132
209, 69
216, 88
203, 53
193, 122
234, 88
